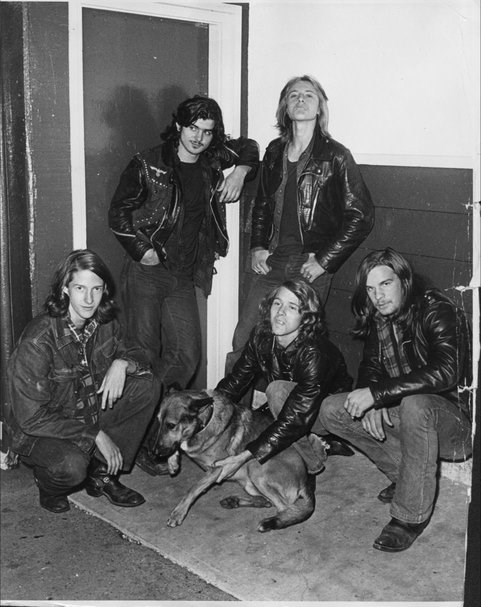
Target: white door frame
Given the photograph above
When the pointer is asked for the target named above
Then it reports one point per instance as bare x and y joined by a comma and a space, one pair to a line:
225, 22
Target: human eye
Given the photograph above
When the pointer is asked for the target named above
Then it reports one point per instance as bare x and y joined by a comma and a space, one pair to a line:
193, 128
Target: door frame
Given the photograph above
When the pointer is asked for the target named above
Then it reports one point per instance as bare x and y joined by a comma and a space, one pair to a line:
225, 50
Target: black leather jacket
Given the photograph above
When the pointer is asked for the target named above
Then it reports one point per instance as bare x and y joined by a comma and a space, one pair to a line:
437, 347
148, 203
335, 210
317, 367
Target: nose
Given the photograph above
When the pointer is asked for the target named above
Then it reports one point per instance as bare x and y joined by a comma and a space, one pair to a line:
89, 297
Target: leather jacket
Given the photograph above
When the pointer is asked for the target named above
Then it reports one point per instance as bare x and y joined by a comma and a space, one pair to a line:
44, 386
317, 367
437, 348
334, 206
147, 203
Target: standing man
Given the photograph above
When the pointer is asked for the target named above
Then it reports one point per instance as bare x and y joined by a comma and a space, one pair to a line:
312, 209
412, 403
79, 401
168, 213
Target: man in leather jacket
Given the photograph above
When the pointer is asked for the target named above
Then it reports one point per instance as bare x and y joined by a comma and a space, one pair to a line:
312, 209
79, 401
412, 401
168, 213
289, 348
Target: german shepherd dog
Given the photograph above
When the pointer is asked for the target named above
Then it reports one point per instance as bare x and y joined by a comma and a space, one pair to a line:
209, 427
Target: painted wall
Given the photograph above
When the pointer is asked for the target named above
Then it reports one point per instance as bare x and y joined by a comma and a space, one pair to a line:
403, 85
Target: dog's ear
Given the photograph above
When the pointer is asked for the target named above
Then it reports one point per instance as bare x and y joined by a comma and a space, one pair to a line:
200, 403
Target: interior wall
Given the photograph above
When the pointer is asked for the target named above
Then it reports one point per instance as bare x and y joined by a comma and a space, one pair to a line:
403, 85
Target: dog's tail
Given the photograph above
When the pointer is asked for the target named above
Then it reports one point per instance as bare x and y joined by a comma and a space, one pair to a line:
295, 513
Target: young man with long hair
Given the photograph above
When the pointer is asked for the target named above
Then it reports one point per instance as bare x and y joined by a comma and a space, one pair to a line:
168, 213
79, 400
290, 349
411, 406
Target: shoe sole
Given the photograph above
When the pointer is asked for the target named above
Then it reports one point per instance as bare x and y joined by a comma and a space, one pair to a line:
384, 500
388, 549
66, 509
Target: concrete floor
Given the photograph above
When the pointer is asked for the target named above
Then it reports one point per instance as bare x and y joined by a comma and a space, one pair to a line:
218, 554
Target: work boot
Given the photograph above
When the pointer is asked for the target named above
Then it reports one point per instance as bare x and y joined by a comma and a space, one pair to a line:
337, 446
398, 535
387, 494
53, 503
99, 482
150, 463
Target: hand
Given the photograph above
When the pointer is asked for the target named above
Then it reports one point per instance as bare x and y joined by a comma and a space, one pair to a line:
258, 261
373, 421
230, 465
150, 258
230, 189
110, 451
312, 269
358, 402
113, 384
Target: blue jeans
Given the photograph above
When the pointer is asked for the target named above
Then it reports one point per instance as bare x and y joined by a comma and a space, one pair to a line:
426, 427
249, 317
60, 466
162, 317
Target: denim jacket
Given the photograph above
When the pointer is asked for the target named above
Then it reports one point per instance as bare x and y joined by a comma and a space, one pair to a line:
317, 367
147, 204
44, 386
334, 206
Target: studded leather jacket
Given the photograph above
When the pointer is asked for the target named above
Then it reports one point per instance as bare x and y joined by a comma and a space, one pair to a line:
317, 367
437, 348
334, 206
148, 204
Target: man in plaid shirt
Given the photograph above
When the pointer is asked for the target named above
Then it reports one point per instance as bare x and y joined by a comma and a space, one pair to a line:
79, 400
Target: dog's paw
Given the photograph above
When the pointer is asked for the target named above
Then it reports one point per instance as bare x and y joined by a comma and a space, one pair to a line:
173, 463
268, 524
230, 502
175, 519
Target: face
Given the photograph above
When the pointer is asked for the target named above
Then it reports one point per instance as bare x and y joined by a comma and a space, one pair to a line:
195, 139
384, 289
285, 316
85, 291
302, 102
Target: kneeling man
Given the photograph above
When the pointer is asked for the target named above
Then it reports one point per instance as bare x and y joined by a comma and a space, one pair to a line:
412, 403
79, 401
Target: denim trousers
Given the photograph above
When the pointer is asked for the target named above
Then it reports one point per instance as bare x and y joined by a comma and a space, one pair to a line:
310, 447
162, 317
261, 286
426, 427
60, 466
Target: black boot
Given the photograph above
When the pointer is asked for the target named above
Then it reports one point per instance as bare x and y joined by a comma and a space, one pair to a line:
99, 482
53, 503
337, 446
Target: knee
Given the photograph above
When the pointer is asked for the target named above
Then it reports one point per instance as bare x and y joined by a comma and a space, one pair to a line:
414, 410
332, 408
71, 470
277, 393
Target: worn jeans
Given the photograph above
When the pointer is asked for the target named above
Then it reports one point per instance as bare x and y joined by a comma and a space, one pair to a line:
426, 427
162, 317
310, 447
60, 466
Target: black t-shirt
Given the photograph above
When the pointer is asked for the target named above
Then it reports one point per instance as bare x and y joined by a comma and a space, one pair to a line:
290, 242
183, 244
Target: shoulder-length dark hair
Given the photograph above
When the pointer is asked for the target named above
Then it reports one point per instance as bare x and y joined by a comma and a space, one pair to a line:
284, 123
58, 301
313, 319
361, 305
191, 110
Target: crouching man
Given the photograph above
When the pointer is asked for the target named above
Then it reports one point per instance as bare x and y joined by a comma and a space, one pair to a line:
411, 406
79, 401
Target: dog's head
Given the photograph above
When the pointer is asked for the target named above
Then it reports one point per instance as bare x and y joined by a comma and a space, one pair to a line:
179, 418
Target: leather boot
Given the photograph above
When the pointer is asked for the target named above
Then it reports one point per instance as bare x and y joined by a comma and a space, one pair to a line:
53, 503
337, 446
99, 482
387, 494
398, 535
